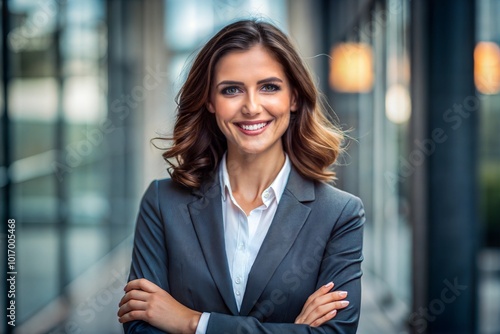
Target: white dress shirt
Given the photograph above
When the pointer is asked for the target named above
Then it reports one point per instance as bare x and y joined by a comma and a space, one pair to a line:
244, 234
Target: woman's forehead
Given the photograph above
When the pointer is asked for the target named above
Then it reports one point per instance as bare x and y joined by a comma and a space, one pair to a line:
248, 62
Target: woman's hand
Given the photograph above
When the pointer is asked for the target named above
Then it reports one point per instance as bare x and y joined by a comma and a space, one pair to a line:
322, 306
146, 301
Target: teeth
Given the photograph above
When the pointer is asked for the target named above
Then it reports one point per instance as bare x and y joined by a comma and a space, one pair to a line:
253, 127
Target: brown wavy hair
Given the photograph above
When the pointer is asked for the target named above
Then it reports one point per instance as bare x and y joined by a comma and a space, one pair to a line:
311, 141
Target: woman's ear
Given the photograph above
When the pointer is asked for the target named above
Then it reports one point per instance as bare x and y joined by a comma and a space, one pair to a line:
210, 107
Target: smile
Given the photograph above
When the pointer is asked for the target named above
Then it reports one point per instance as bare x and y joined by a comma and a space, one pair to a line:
254, 128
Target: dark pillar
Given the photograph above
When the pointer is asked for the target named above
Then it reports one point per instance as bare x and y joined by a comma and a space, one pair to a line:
445, 125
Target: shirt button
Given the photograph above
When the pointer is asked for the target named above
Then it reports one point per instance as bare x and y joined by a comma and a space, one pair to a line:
237, 293
238, 280
241, 246
266, 194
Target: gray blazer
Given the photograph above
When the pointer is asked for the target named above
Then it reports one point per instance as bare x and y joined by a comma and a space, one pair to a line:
316, 237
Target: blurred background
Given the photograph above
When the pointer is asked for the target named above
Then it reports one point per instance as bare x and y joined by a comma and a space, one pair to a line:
87, 83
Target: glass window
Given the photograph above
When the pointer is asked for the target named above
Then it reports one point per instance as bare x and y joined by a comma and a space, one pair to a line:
369, 90
57, 107
40, 107
487, 79
38, 261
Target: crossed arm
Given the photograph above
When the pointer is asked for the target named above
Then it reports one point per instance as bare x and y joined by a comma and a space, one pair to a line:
146, 301
149, 308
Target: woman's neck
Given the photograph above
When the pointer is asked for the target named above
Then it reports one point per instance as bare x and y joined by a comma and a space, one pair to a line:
251, 174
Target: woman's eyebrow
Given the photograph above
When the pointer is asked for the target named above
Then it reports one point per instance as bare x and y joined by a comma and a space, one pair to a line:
271, 79
230, 82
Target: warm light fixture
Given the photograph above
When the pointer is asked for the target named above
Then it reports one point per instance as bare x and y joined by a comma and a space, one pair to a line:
398, 104
487, 67
351, 68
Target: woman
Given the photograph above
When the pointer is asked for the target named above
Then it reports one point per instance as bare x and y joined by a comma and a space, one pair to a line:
247, 236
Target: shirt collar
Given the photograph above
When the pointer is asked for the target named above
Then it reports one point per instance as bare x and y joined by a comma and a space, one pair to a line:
276, 188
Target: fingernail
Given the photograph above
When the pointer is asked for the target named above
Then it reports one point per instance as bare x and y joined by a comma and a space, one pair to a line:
343, 293
344, 303
333, 312
328, 285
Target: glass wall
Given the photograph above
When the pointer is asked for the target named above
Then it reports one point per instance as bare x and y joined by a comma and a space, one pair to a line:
369, 89
487, 79
59, 170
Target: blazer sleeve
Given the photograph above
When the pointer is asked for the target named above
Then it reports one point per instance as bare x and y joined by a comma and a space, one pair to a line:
341, 264
149, 256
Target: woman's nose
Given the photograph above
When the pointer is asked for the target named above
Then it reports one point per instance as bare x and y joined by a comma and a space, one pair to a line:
252, 104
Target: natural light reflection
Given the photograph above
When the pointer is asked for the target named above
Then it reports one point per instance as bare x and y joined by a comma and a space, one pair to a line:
398, 104
188, 22
83, 100
41, 104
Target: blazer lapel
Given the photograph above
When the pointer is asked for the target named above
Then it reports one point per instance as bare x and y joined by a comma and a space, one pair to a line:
287, 223
206, 215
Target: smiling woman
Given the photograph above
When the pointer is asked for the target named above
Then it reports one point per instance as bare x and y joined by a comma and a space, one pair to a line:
311, 141
225, 245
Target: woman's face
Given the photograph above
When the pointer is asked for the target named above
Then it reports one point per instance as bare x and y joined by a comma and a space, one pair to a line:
252, 99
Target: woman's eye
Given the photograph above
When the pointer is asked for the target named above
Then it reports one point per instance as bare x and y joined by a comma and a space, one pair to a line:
270, 88
230, 91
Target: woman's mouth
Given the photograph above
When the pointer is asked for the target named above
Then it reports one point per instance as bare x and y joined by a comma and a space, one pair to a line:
254, 128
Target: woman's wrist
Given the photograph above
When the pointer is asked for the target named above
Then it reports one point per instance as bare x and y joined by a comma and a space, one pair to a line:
193, 323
